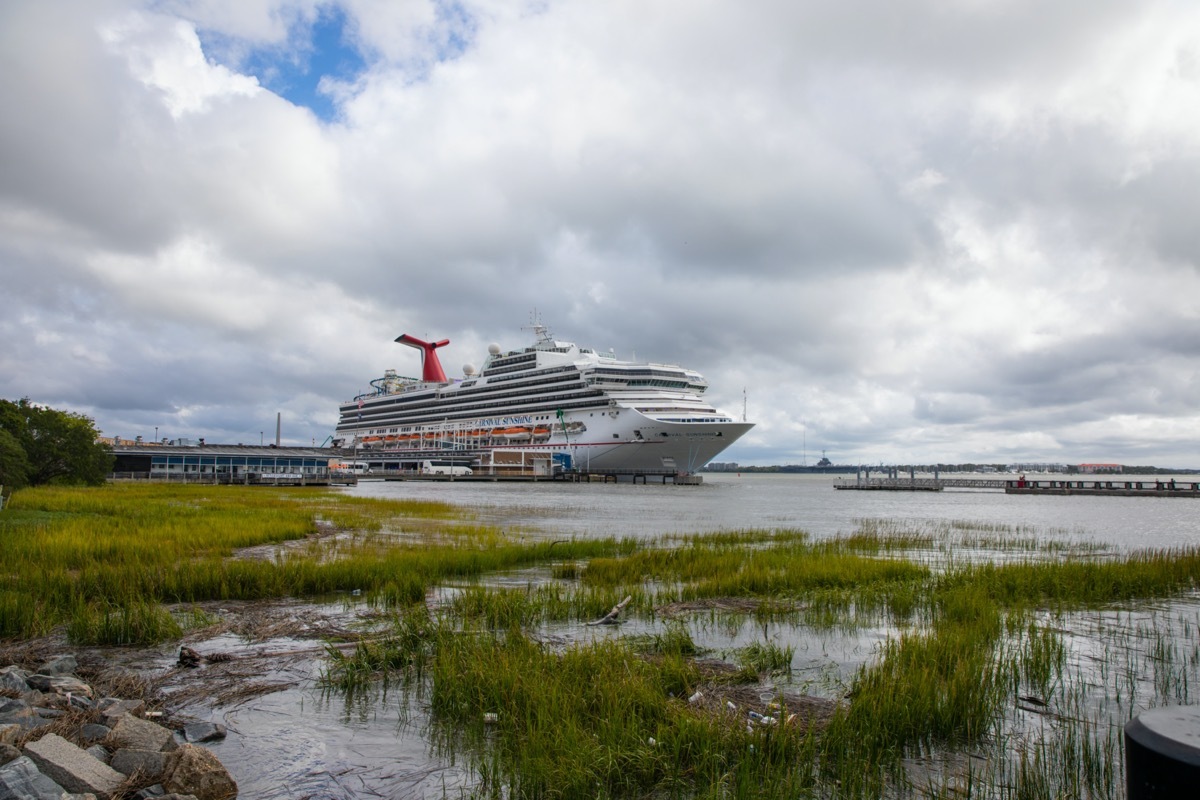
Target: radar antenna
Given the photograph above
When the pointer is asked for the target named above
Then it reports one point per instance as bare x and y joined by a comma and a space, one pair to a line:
431, 367
541, 331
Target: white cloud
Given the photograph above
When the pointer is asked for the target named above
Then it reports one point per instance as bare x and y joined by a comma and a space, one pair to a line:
165, 54
927, 232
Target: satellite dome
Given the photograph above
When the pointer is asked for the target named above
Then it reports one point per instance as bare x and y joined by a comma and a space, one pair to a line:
468, 369
494, 349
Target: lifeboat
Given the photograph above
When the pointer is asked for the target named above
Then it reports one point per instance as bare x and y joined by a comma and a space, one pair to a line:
515, 434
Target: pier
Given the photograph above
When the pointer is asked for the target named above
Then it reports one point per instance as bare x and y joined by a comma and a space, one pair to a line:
1159, 488
1100, 488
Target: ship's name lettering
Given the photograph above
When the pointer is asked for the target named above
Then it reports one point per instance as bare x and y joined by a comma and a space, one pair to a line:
506, 420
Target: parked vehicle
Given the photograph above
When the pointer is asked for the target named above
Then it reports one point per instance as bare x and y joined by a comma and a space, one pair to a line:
429, 468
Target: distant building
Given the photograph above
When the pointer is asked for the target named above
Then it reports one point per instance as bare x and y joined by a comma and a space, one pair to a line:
1040, 466
1091, 469
722, 466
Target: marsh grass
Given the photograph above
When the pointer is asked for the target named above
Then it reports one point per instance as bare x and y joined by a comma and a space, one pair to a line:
969, 639
102, 561
996, 619
767, 657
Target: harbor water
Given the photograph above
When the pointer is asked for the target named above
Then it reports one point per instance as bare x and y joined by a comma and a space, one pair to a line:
741, 501
302, 743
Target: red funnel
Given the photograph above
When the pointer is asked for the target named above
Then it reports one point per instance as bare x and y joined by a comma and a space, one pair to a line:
431, 368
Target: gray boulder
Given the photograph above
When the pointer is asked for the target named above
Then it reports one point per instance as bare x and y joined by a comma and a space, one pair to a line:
204, 731
15, 706
59, 665
91, 732
13, 678
150, 763
21, 780
199, 772
138, 734
112, 709
72, 768
59, 684
8, 753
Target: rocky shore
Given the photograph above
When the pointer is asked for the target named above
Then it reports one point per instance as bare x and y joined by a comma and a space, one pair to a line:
59, 740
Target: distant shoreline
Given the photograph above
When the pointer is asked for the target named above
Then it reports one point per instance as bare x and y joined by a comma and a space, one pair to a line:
837, 469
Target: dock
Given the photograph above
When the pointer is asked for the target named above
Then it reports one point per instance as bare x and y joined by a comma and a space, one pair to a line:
529, 476
918, 484
1099, 488
1167, 488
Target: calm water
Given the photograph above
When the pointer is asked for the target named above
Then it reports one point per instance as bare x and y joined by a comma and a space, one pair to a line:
807, 502
296, 743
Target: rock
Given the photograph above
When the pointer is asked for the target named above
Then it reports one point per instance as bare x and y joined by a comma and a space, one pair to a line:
189, 657
59, 665
112, 709
199, 772
91, 732
150, 763
21, 780
174, 796
49, 713
9, 732
8, 753
151, 791
204, 731
15, 707
14, 678
59, 684
138, 734
98, 752
72, 768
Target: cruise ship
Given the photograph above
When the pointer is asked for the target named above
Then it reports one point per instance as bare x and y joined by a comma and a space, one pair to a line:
583, 409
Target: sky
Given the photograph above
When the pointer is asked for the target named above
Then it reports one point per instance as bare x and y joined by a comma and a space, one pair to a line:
890, 231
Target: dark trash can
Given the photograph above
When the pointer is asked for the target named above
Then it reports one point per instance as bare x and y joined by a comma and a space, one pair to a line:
1162, 754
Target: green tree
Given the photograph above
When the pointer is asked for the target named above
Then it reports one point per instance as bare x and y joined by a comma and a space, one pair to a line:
14, 466
59, 446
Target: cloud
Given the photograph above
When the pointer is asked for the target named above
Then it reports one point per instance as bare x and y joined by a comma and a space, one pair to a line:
910, 232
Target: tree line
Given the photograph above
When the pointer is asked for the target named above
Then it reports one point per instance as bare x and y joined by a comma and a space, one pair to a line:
44, 445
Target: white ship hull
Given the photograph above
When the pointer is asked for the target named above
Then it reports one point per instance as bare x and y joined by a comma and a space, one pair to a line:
632, 442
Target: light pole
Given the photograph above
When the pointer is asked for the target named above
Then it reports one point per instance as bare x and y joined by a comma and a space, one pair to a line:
260, 438
156, 434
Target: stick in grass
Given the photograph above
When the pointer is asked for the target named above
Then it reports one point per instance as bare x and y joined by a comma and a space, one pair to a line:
611, 618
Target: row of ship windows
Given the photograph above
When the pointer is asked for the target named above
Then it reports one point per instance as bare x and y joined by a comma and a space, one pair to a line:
552, 408
489, 390
501, 400
660, 373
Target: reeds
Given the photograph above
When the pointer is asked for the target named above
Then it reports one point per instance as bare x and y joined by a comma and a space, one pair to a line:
979, 652
103, 559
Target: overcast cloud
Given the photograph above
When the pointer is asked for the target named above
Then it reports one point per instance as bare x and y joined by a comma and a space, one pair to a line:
910, 231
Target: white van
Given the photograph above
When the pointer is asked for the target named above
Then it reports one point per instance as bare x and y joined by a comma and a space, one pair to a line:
428, 468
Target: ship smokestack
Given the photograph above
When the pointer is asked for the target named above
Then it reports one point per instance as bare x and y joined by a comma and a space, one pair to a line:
431, 367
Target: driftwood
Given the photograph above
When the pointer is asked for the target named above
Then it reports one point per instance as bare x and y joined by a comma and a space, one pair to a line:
611, 618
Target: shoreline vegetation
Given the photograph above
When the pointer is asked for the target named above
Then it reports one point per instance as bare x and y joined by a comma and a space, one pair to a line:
1006, 664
